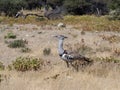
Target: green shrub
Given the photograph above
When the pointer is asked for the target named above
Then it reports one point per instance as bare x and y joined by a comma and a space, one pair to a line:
17, 44
114, 15
1, 66
10, 35
47, 51
26, 64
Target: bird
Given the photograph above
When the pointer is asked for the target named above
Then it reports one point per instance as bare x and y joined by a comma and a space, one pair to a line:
71, 58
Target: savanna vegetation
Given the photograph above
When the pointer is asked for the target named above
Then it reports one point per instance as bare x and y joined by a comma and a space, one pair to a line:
77, 7
28, 51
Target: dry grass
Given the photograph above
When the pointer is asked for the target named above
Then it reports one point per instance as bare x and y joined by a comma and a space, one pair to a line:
55, 75
89, 23
96, 77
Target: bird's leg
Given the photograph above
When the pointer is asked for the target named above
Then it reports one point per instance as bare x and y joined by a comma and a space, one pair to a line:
67, 63
74, 66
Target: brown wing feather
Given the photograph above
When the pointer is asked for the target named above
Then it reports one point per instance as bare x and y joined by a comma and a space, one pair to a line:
76, 56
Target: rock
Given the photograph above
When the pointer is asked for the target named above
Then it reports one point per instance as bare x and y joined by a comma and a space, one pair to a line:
27, 35
61, 25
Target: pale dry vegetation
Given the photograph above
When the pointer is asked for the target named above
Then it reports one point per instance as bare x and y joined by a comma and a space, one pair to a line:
86, 22
95, 37
97, 77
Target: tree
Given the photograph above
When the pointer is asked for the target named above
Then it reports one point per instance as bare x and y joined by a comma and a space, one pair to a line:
114, 4
77, 6
10, 7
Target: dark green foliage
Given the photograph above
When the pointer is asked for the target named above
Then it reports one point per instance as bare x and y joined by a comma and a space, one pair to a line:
26, 64
10, 7
114, 4
17, 44
10, 35
80, 7
75, 6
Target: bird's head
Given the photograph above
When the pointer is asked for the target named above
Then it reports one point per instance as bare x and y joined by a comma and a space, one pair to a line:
62, 37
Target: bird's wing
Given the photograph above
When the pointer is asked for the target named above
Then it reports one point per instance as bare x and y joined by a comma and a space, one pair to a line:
76, 56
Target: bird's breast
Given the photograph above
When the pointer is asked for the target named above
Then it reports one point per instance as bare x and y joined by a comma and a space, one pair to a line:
66, 57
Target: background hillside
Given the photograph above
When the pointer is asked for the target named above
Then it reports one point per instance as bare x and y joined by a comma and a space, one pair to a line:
77, 7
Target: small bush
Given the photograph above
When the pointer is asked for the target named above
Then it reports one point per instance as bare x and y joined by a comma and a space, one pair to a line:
26, 64
82, 32
1, 78
10, 35
47, 51
17, 44
108, 60
114, 15
25, 50
1, 66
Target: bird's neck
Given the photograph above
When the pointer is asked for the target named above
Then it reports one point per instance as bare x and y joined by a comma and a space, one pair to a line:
60, 47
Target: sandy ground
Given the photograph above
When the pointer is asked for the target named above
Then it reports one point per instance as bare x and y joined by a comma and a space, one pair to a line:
40, 37
58, 76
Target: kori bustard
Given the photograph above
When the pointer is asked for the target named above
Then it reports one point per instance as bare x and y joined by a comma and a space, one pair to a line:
71, 58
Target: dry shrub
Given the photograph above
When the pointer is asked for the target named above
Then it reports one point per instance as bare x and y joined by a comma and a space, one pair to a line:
17, 44
47, 51
26, 64
80, 48
111, 39
103, 66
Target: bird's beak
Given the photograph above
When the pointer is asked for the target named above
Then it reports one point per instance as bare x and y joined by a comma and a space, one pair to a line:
58, 36
55, 36
65, 37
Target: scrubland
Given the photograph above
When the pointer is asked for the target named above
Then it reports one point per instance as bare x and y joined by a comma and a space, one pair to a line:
95, 37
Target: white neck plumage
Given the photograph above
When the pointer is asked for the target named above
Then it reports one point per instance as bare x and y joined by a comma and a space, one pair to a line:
60, 47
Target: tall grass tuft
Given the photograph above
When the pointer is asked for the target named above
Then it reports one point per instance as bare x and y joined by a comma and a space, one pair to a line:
17, 44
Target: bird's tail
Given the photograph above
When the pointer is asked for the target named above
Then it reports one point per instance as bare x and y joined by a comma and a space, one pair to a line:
87, 61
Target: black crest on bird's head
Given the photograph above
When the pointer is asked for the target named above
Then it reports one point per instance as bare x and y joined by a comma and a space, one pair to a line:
60, 37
